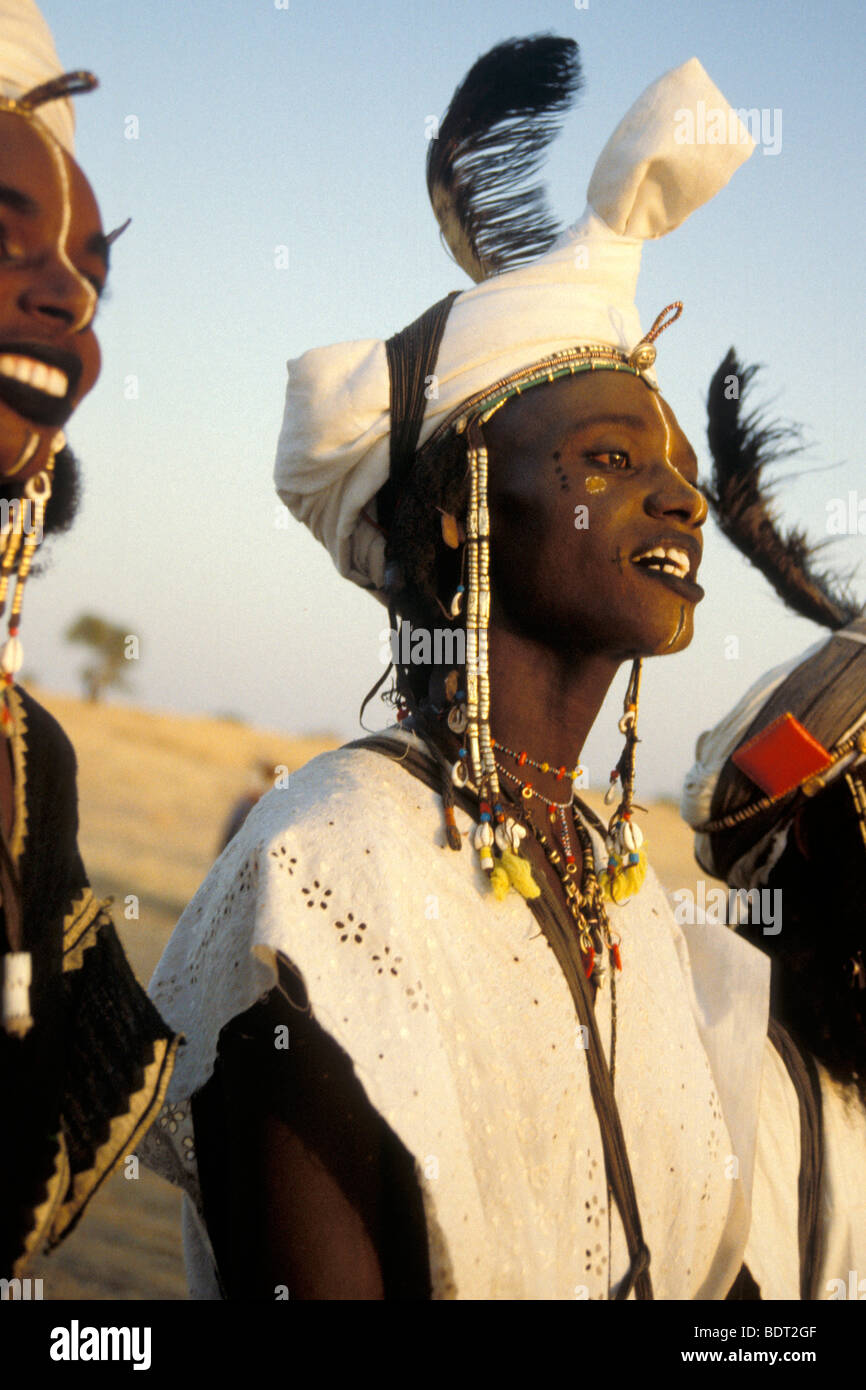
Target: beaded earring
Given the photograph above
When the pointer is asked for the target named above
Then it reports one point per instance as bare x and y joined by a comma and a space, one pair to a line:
496, 831
626, 862
20, 537
626, 865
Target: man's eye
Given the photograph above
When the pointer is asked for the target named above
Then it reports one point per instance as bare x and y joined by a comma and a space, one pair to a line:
611, 458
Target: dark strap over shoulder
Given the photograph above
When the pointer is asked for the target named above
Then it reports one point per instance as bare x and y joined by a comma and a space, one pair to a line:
412, 357
804, 1076
559, 933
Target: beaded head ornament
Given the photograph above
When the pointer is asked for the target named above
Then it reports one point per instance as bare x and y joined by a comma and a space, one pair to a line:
476, 764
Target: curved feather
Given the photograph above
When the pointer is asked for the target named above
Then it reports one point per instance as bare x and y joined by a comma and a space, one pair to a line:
491, 140
743, 447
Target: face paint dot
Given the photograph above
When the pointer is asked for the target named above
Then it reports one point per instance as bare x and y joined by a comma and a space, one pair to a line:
595, 484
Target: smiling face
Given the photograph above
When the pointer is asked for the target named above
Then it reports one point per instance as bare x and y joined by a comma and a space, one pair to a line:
595, 518
53, 264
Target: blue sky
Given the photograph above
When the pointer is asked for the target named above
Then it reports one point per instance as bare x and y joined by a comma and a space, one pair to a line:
261, 125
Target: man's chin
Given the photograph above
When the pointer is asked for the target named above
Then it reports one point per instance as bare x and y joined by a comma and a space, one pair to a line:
668, 637
680, 635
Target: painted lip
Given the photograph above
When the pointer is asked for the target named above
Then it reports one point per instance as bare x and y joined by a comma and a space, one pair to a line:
685, 552
35, 405
685, 588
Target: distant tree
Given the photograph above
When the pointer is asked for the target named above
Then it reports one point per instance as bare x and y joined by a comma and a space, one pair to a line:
108, 644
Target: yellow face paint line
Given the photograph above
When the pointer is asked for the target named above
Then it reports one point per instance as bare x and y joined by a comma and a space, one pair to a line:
62, 172
680, 625
31, 444
667, 429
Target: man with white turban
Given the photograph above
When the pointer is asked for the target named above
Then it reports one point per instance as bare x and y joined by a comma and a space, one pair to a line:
471, 1064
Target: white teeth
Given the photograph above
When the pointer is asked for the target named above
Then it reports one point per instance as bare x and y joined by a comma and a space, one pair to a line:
36, 374
672, 561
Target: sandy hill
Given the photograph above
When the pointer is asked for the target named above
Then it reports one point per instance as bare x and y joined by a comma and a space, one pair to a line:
155, 790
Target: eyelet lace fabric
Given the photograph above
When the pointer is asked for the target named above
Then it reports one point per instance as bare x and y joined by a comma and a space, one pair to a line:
463, 1033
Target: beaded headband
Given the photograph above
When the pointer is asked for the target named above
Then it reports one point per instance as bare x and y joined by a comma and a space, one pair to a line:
587, 357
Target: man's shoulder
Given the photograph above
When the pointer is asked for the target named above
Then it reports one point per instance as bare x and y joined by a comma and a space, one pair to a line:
351, 781
45, 739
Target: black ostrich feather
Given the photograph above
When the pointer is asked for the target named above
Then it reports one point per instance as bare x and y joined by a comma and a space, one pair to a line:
499, 123
743, 448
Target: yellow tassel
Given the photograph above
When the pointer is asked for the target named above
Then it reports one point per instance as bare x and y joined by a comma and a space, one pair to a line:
500, 883
519, 872
627, 880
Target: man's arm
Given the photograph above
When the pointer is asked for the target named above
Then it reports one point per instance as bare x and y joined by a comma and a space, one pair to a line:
306, 1190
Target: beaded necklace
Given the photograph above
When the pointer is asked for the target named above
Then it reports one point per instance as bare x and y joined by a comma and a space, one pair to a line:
522, 758
498, 828
585, 903
527, 791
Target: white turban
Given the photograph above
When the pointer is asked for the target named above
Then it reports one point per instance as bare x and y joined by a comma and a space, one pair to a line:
333, 451
27, 59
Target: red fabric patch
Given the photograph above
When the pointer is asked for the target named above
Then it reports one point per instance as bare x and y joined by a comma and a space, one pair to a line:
781, 756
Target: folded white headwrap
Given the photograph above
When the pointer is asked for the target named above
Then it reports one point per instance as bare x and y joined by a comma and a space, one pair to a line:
333, 451
27, 59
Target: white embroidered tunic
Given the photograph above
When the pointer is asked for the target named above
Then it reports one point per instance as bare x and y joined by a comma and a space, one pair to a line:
463, 1033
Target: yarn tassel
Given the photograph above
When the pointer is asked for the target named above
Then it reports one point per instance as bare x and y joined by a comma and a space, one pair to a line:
500, 883
519, 874
624, 876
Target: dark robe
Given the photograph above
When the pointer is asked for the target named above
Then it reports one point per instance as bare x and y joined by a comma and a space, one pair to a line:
81, 1088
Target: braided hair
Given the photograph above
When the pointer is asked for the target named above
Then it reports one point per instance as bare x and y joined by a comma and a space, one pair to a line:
421, 571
